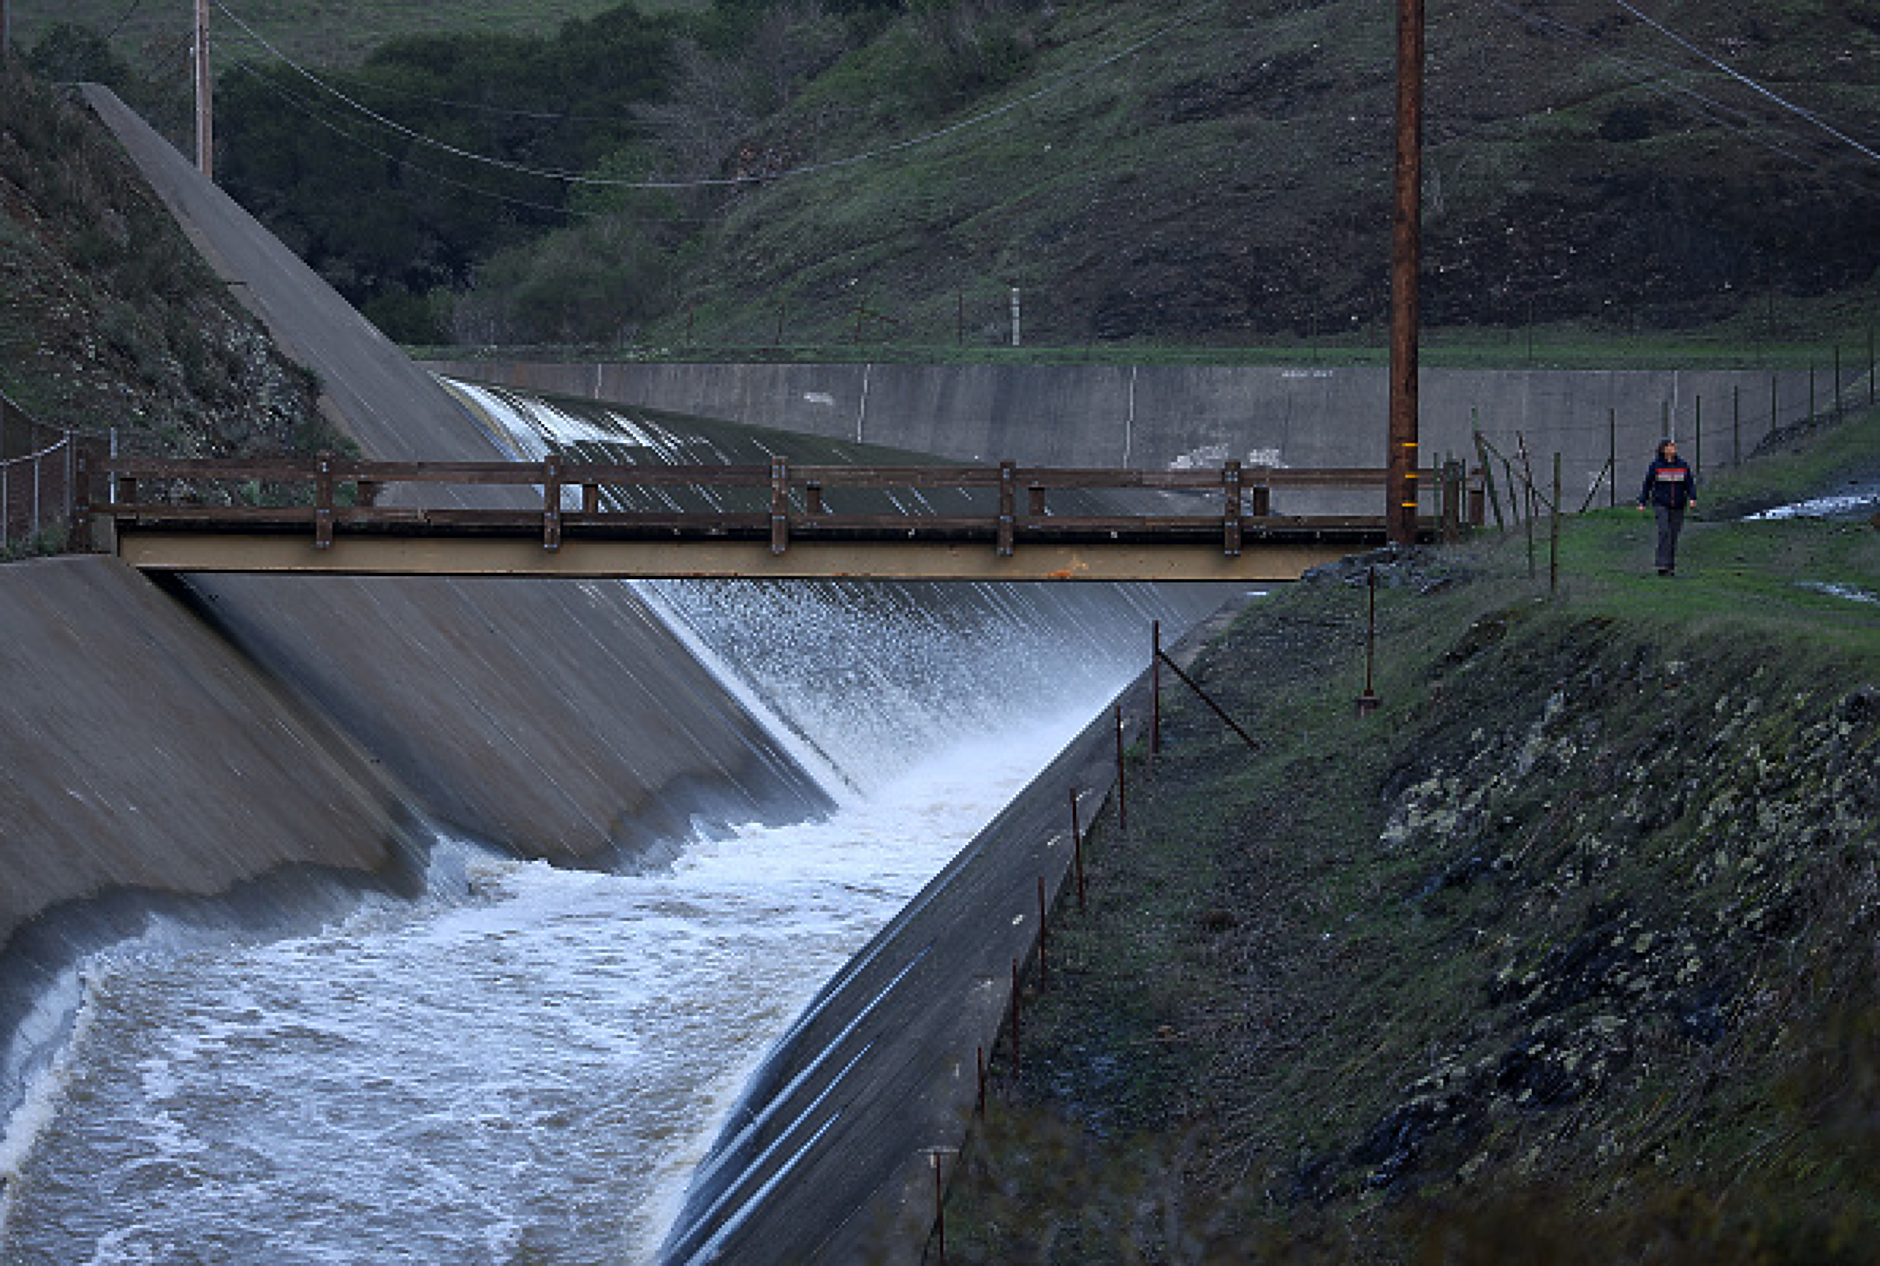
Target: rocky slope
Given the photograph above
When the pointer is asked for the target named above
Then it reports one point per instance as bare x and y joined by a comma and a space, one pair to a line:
1568, 953
109, 318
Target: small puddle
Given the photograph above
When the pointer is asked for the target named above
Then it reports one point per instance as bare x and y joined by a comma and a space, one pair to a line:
1852, 593
1862, 500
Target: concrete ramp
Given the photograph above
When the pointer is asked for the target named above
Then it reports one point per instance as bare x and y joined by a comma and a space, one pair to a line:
371, 389
542, 715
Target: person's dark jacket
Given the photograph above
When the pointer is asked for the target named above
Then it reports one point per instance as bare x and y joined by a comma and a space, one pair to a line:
1669, 483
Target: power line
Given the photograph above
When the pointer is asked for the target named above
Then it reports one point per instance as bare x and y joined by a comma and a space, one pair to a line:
304, 106
484, 107
1662, 84
1051, 87
1751, 83
128, 15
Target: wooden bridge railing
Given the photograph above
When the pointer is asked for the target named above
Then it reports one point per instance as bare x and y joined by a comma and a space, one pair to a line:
327, 494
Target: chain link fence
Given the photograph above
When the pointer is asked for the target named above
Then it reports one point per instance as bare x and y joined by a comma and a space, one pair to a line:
38, 482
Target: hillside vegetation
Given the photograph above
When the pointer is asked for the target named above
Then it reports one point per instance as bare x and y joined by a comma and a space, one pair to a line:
109, 319
881, 173
1570, 953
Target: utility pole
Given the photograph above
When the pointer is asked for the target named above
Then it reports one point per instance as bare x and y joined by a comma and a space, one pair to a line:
1400, 494
205, 136
6, 27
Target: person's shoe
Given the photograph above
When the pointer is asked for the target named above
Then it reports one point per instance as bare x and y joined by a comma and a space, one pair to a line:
1664, 571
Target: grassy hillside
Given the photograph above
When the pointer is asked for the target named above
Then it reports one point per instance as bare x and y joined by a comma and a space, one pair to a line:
1214, 174
1566, 954
321, 32
1230, 179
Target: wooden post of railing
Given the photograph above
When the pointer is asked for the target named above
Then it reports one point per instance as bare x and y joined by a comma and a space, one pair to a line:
551, 503
1037, 500
1155, 688
1230, 518
1452, 501
126, 493
1478, 510
323, 501
81, 501
812, 497
1260, 499
1553, 533
369, 492
779, 505
1008, 498
590, 498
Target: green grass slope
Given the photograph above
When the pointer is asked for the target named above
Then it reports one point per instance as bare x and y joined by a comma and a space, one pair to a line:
1228, 180
1567, 954
883, 175
319, 32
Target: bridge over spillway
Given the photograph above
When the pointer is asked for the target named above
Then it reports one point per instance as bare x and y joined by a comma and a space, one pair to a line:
782, 521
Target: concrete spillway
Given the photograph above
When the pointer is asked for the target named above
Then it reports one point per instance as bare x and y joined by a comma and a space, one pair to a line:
535, 1060
232, 1032
582, 710
1157, 417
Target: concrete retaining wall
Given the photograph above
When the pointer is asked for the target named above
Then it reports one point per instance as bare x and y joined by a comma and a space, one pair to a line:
829, 1156
140, 753
1157, 417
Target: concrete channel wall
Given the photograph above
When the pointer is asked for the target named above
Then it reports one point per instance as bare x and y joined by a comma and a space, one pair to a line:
141, 753
1166, 416
830, 1156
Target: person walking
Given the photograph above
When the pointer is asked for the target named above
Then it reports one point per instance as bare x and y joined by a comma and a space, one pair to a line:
1670, 488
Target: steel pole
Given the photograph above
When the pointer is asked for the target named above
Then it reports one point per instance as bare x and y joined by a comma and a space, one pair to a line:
205, 136
1406, 259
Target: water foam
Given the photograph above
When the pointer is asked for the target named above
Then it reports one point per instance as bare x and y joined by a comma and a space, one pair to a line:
533, 1070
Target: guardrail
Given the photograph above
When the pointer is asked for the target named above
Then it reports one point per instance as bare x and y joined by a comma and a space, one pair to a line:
1004, 504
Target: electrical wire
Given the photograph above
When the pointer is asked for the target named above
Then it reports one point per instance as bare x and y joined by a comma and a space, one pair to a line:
128, 15
303, 106
307, 108
1747, 81
1712, 108
1051, 87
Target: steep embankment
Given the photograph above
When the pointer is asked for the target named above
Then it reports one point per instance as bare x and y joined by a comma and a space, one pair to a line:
108, 319
1567, 953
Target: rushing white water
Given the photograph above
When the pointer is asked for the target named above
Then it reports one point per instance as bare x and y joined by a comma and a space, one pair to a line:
525, 1075
526, 1067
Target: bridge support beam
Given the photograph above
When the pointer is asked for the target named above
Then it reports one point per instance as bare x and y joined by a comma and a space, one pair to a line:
577, 558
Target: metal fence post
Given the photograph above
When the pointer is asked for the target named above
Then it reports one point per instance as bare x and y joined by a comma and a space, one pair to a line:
1612, 455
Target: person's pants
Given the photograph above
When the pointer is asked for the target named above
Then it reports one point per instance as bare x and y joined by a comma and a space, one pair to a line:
1670, 523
